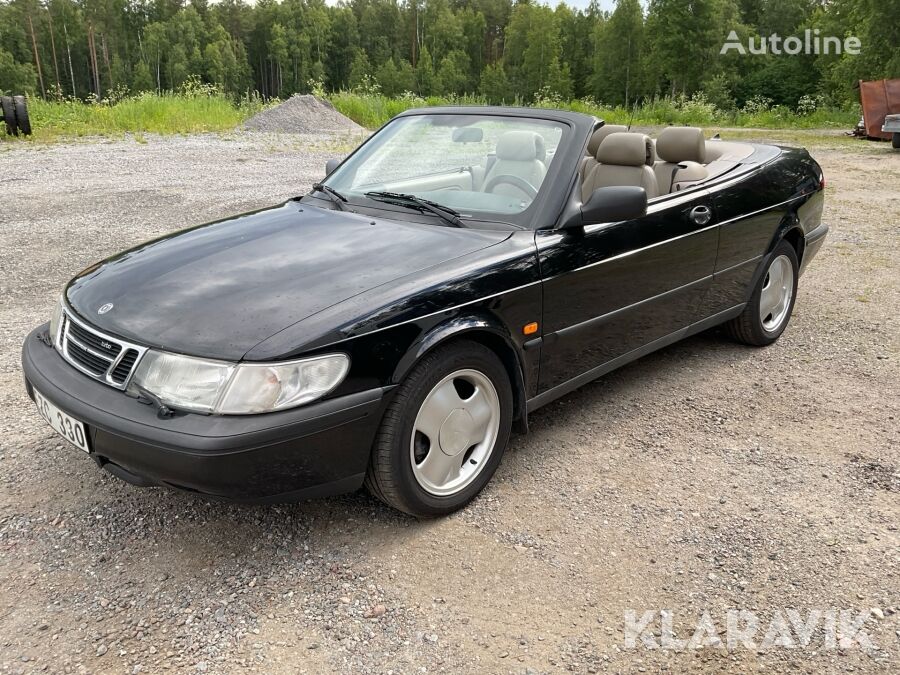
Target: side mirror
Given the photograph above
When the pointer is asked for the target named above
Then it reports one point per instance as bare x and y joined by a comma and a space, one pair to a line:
613, 204
331, 165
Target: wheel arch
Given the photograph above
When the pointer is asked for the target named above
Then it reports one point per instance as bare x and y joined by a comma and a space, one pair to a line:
482, 330
790, 230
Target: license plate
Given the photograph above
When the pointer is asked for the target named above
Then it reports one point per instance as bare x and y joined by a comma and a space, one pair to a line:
65, 425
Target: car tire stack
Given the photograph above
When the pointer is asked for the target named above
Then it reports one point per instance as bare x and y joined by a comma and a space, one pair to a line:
15, 115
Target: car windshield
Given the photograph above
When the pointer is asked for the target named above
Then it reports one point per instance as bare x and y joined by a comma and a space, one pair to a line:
473, 164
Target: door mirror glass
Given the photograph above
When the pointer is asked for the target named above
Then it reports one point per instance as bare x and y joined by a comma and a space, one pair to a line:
613, 204
330, 166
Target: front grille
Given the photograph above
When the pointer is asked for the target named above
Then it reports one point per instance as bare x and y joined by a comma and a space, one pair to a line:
105, 358
121, 372
98, 366
94, 342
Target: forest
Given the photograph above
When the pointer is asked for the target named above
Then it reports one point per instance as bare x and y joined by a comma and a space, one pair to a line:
498, 50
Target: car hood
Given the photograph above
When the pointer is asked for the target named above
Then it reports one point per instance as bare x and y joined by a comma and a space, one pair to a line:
218, 290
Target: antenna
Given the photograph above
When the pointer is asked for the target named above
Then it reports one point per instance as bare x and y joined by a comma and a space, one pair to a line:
633, 112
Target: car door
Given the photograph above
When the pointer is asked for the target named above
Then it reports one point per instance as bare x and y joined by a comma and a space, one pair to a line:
613, 288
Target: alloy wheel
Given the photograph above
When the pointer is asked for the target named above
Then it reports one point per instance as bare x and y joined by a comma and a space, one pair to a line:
455, 432
777, 292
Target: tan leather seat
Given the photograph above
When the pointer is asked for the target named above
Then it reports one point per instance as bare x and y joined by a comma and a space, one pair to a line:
683, 146
623, 159
590, 161
521, 154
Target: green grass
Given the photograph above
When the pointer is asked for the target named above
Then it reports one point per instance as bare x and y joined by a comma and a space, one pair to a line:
373, 110
167, 113
209, 111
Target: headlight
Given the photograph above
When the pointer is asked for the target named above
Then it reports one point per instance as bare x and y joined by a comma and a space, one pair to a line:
55, 319
238, 389
183, 381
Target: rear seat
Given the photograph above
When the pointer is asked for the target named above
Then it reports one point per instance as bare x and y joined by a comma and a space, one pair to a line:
682, 154
590, 161
622, 159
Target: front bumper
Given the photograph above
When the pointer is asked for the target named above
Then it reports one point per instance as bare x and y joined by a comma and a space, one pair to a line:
891, 124
311, 451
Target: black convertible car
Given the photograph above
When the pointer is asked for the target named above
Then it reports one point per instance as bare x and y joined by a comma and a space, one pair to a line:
463, 267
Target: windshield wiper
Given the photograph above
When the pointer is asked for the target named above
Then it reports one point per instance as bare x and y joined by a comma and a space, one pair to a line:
333, 195
445, 213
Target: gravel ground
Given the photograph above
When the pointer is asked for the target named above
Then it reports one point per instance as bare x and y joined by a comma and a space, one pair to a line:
303, 113
703, 478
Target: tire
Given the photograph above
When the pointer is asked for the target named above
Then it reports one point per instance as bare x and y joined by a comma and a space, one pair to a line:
22, 119
399, 474
751, 327
895, 140
9, 114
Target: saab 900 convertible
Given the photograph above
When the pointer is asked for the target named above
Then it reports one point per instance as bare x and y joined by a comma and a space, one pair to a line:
461, 268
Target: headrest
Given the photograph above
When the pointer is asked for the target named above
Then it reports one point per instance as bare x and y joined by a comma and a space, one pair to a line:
681, 144
626, 149
521, 146
601, 133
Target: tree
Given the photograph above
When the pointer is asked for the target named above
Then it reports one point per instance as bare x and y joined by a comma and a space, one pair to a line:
618, 55
426, 81
16, 78
360, 71
683, 39
142, 79
533, 52
494, 84
505, 49
454, 73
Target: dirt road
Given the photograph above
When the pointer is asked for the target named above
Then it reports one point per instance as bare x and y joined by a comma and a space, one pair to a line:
705, 480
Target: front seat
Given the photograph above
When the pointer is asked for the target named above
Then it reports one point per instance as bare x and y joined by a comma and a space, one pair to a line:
593, 145
520, 154
623, 159
682, 154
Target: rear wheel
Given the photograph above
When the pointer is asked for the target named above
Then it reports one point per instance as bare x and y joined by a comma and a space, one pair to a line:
767, 314
895, 140
444, 433
9, 114
22, 119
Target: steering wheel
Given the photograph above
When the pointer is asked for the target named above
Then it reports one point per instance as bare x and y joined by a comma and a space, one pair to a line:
509, 179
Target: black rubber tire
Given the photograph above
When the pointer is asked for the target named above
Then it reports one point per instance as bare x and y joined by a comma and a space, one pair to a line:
22, 119
747, 327
390, 476
9, 115
895, 140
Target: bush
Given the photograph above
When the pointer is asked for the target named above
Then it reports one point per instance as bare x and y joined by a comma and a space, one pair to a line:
193, 109
373, 110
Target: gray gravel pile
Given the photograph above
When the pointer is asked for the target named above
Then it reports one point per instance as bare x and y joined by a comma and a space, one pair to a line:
303, 114
704, 477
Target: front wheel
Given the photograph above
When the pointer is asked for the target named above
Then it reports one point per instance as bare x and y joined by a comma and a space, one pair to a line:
444, 432
767, 314
895, 140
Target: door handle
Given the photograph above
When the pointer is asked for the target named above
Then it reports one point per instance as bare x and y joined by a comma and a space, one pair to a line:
701, 215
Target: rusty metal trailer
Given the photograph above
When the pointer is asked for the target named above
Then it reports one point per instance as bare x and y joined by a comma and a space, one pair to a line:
881, 99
